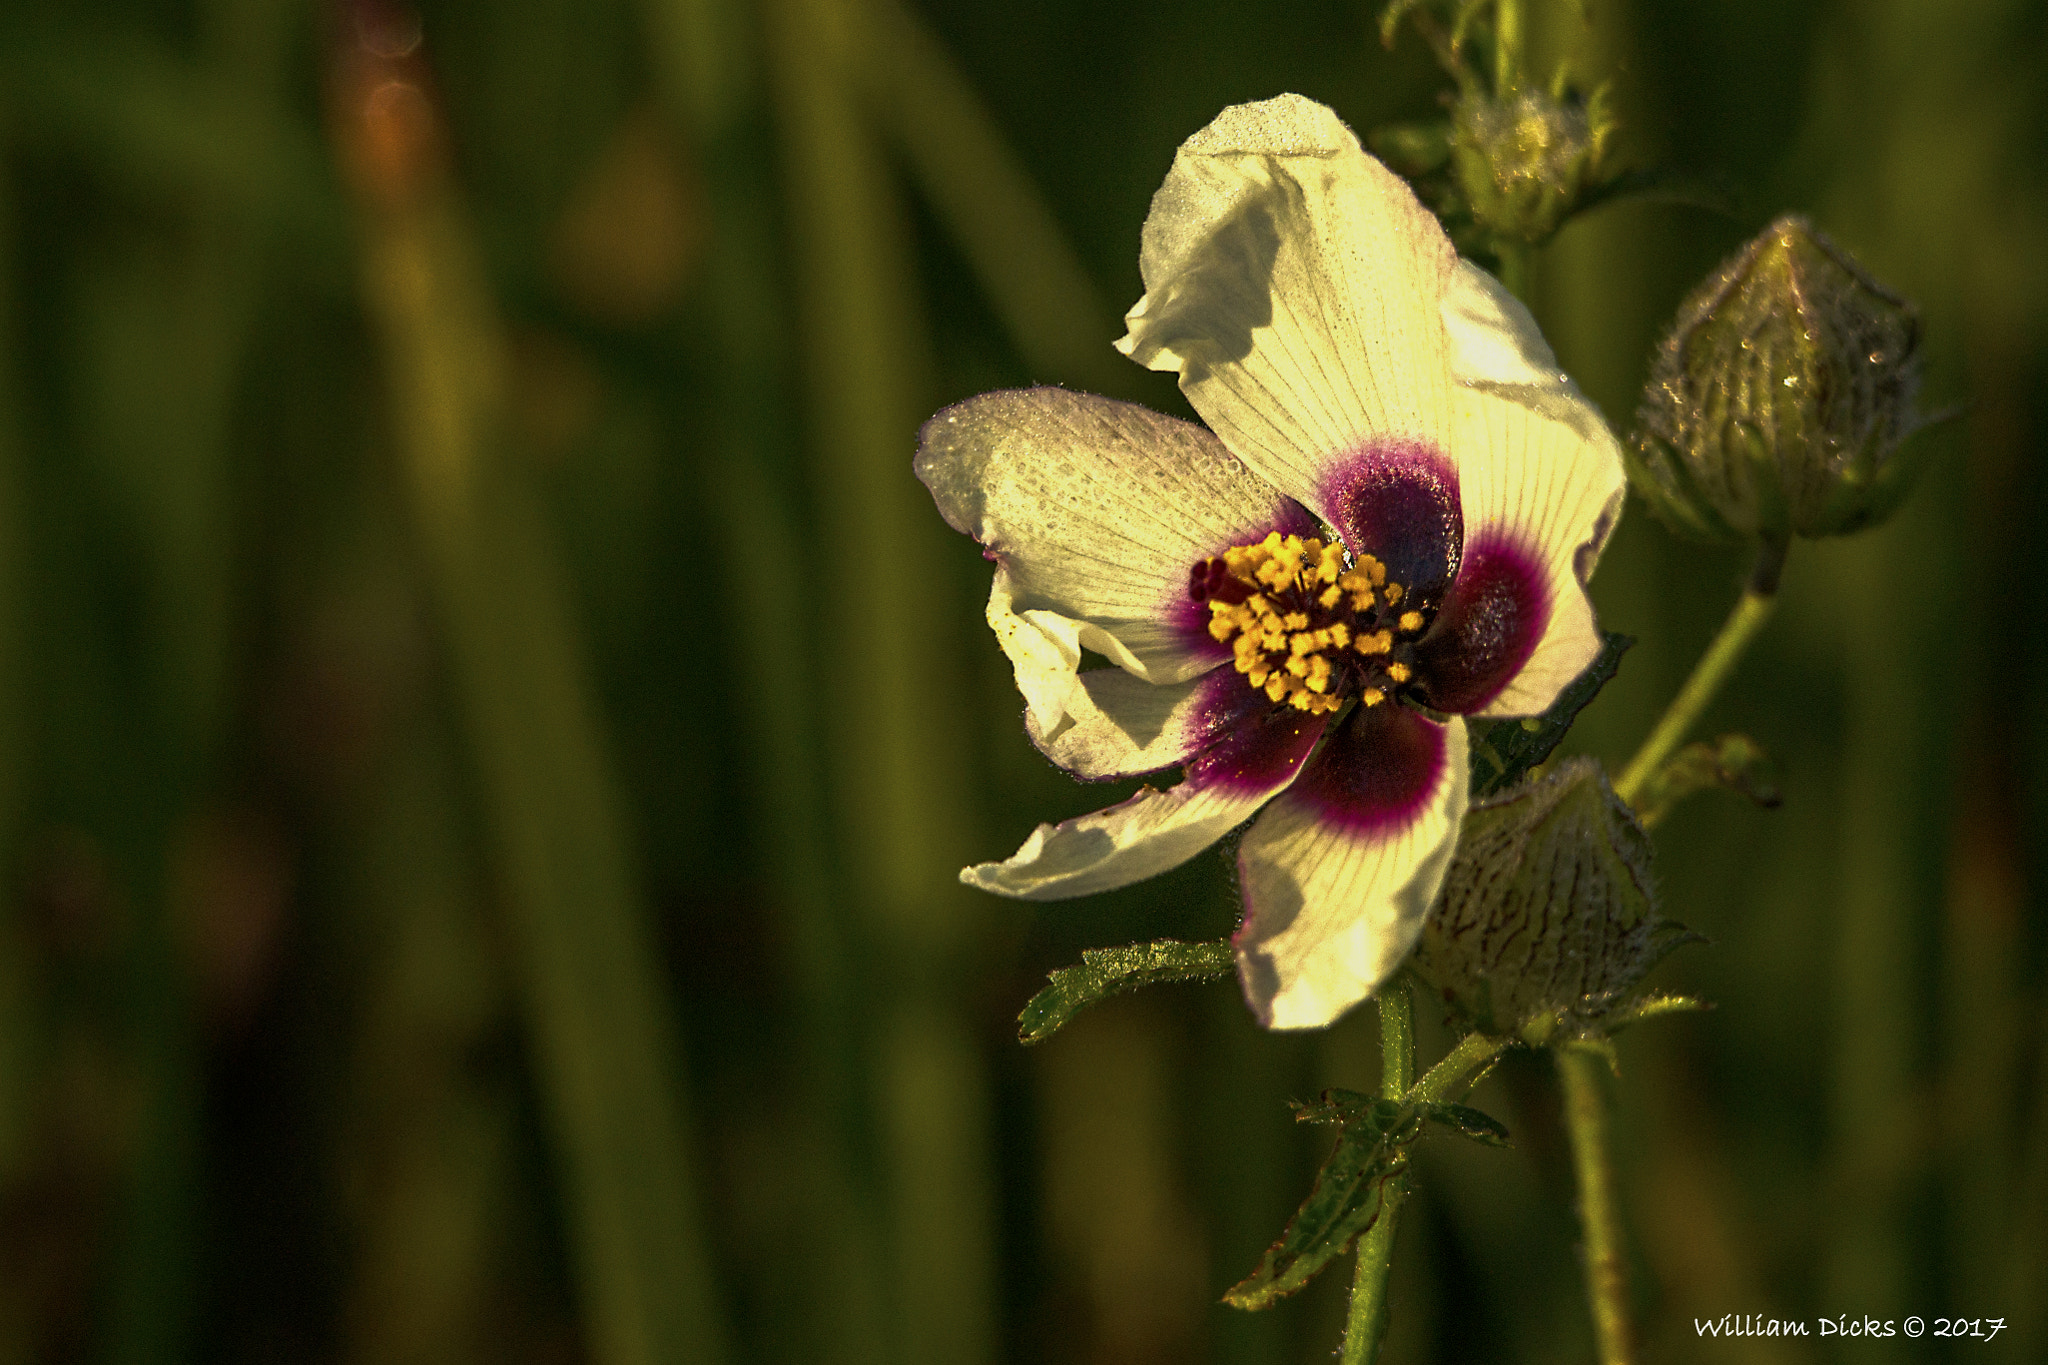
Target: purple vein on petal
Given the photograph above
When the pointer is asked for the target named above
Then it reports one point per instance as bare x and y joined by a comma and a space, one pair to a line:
1490, 624
1397, 499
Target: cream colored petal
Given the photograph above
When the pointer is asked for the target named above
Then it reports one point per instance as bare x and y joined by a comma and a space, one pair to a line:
1296, 286
1339, 870
1118, 725
1540, 478
1096, 510
1157, 830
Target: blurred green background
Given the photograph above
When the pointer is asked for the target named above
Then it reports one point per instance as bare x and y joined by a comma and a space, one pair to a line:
488, 722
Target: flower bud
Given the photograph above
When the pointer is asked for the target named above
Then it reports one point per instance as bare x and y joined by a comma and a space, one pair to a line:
1778, 404
1547, 918
1526, 160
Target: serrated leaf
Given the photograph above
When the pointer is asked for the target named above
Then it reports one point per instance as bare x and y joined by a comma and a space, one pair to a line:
1343, 1203
1735, 762
1103, 972
1467, 1122
1510, 748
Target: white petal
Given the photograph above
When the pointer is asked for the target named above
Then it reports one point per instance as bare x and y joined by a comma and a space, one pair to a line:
1335, 889
1097, 510
1156, 830
1540, 478
1117, 725
1296, 285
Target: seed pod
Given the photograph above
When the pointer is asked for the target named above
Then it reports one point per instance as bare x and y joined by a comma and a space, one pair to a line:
1778, 404
1547, 918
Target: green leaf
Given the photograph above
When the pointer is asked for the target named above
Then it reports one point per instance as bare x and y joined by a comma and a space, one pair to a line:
1467, 1122
1735, 762
1650, 1006
1512, 747
1104, 972
1344, 1202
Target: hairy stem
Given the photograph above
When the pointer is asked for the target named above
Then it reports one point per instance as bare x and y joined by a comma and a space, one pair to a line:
1365, 1325
1751, 611
1585, 1115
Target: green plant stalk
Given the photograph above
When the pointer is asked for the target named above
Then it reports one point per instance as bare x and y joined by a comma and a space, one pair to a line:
607, 1058
1507, 46
1365, 1324
1751, 611
1585, 1115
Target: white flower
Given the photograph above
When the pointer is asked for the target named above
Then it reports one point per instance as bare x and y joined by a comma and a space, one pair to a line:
1391, 526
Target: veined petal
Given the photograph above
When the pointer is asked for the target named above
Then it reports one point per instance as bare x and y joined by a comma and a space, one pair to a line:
1296, 286
1341, 868
1156, 830
1097, 510
1541, 483
1117, 725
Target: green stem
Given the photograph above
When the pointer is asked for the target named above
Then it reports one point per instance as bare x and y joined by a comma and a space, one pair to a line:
1472, 1051
1585, 1114
1507, 46
1365, 1325
1751, 611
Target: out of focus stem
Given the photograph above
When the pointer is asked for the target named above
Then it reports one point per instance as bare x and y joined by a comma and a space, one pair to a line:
1365, 1325
1751, 611
1507, 46
1585, 1117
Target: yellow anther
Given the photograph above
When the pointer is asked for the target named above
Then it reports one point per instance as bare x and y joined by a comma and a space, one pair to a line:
1330, 564
1394, 592
1399, 672
1295, 620
1340, 634
1275, 689
1319, 674
1376, 569
1411, 621
1298, 666
1304, 643
1372, 696
1222, 628
1375, 642
1329, 597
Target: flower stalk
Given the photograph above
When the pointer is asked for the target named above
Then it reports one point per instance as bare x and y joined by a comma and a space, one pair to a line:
1365, 1324
1585, 1115
1750, 613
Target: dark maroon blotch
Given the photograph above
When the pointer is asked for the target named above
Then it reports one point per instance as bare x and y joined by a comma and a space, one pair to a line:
1397, 500
1378, 772
1490, 624
1258, 751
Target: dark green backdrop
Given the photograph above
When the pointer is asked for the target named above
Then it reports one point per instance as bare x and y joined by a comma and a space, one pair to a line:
488, 722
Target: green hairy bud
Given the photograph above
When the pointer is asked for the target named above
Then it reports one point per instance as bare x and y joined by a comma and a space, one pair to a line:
1779, 403
1526, 160
1547, 919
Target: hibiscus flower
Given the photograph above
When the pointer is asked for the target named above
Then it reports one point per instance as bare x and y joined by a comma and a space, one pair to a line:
1387, 525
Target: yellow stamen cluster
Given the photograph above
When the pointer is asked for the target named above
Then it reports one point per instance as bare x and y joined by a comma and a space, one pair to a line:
1291, 610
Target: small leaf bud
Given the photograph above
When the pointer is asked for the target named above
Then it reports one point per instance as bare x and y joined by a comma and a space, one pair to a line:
1778, 404
1547, 919
1527, 159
